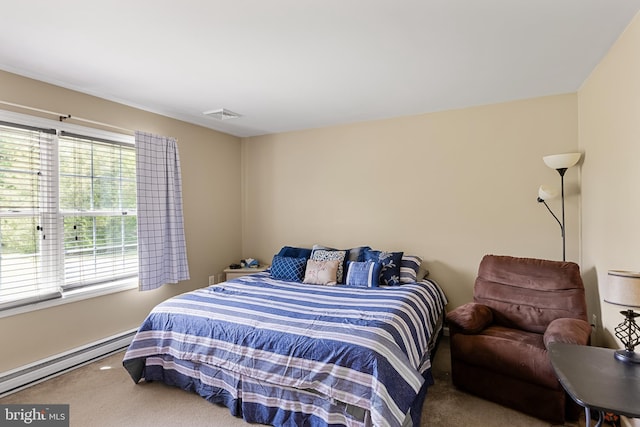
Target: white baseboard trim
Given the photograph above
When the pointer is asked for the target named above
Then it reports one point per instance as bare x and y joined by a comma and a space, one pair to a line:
34, 373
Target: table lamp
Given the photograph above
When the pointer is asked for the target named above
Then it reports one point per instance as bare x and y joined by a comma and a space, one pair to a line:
623, 288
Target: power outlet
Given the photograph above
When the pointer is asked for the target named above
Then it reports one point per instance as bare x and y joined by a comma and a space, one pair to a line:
212, 280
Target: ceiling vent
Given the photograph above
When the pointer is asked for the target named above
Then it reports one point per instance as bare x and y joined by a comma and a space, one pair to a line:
222, 114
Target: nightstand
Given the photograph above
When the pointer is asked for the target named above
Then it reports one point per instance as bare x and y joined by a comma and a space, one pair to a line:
232, 273
597, 380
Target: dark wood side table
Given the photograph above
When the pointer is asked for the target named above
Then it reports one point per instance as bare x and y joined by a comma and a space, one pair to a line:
596, 380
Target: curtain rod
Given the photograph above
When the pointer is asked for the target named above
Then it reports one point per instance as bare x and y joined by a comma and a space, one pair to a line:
63, 117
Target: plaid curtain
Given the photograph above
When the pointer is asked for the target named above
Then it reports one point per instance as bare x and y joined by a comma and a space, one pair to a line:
162, 251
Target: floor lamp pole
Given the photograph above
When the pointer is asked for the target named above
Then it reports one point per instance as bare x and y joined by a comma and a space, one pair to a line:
561, 171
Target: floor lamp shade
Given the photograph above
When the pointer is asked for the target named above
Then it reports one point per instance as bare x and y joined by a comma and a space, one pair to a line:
546, 192
561, 161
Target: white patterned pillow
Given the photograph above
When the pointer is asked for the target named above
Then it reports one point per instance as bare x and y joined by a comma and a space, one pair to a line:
321, 272
409, 267
329, 255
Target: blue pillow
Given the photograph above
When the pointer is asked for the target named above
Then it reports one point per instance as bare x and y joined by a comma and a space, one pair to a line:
363, 274
288, 268
293, 252
357, 253
390, 261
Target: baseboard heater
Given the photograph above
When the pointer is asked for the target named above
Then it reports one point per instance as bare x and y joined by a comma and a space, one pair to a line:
28, 375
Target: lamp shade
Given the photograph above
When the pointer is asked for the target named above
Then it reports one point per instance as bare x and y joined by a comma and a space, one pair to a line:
546, 192
562, 161
623, 288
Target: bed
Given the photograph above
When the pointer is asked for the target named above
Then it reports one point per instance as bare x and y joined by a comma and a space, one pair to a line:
287, 353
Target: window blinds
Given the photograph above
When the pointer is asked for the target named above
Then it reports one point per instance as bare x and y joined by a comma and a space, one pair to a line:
98, 209
28, 243
67, 213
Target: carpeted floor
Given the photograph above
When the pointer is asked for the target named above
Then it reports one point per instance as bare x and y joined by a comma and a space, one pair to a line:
102, 394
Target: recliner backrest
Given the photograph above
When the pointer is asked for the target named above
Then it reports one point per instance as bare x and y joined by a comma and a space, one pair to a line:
528, 293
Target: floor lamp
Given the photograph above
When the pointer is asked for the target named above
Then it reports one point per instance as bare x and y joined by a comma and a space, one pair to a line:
559, 162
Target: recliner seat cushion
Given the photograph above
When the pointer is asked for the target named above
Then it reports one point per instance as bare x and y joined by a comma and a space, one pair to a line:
511, 352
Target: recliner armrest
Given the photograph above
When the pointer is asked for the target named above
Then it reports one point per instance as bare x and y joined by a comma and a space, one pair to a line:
470, 318
567, 330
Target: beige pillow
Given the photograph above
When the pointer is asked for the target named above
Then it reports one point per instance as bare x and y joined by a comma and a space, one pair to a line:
321, 272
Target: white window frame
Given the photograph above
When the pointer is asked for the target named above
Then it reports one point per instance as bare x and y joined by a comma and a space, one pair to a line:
85, 292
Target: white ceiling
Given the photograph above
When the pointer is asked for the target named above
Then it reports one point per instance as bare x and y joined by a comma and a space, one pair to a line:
296, 64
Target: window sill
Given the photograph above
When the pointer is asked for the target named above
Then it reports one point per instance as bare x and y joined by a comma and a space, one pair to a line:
75, 295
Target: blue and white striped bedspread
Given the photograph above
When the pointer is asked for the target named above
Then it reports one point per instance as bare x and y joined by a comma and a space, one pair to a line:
362, 346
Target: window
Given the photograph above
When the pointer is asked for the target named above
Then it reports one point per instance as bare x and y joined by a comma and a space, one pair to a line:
67, 212
97, 205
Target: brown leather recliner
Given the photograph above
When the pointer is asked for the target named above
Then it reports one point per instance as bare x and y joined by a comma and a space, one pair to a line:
499, 341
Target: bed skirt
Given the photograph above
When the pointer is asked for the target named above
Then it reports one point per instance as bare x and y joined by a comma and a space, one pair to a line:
260, 402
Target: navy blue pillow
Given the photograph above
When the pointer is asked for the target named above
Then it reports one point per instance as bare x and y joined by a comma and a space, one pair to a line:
357, 253
293, 252
390, 261
288, 268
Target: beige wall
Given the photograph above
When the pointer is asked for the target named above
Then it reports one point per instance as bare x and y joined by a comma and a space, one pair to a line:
211, 195
449, 186
609, 123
